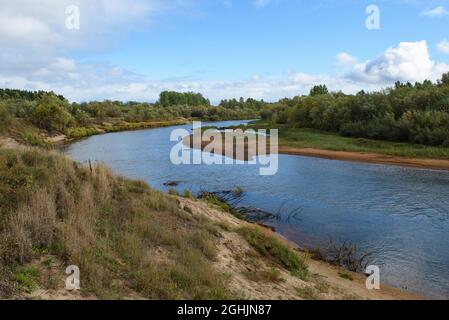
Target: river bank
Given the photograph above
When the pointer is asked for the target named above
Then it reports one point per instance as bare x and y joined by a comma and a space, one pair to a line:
376, 158
292, 147
258, 263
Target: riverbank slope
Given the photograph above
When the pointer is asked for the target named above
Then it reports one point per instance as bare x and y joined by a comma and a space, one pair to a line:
133, 242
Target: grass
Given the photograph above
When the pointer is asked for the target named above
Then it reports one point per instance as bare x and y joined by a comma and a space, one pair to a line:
265, 276
345, 275
26, 278
307, 293
310, 138
276, 251
124, 236
223, 205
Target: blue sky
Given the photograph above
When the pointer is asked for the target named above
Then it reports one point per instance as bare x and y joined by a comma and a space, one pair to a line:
240, 40
132, 49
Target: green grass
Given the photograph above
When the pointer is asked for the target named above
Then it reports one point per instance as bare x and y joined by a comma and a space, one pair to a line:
116, 126
310, 138
276, 251
345, 275
27, 278
226, 207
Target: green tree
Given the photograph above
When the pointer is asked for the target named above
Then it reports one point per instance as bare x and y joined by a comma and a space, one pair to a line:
445, 79
319, 90
51, 113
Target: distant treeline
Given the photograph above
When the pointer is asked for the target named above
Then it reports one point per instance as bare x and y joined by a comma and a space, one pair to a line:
417, 113
172, 98
53, 112
22, 94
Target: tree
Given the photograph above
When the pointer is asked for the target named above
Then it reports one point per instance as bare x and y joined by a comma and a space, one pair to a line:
445, 79
51, 113
319, 90
172, 98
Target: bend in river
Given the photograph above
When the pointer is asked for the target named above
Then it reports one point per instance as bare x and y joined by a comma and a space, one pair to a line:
401, 214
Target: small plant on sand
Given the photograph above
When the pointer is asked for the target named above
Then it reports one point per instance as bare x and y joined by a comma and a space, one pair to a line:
307, 293
275, 250
188, 194
345, 275
173, 192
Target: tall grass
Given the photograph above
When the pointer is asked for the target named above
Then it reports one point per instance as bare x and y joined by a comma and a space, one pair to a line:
124, 236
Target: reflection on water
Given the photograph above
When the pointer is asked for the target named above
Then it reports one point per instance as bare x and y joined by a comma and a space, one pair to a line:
401, 214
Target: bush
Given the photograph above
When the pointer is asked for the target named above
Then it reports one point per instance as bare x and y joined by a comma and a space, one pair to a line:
51, 113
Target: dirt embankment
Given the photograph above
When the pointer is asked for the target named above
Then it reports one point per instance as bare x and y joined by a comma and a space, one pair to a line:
236, 258
250, 275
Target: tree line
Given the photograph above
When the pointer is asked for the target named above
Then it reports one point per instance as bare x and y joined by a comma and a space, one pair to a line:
53, 112
416, 113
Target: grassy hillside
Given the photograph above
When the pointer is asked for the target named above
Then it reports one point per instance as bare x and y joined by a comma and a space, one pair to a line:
123, 235
127, 239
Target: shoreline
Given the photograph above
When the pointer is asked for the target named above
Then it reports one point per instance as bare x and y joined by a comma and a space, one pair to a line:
353, 288
366, 157
349, 156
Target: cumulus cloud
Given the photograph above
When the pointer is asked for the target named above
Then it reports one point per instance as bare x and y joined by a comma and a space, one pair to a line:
439, 11
81, 82
36, 55
345, 59
443, 46
409, 61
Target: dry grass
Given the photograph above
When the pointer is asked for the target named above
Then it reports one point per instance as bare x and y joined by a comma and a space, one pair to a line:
272, 275
124, 236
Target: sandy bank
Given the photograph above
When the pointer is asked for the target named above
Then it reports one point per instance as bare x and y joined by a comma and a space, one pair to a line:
434, 164
324, 281
229, 147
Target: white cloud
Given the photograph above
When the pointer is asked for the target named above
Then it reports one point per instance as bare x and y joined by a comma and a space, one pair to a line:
439, 11
36, 46
409, 61
81, 82
443, 46
345, 59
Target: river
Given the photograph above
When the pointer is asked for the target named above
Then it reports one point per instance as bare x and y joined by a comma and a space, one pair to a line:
400, 214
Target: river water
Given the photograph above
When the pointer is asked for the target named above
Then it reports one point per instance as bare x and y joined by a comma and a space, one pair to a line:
400, 214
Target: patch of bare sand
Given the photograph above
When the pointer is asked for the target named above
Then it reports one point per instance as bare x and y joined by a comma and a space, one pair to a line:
9, 143
238, 260
56, 139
